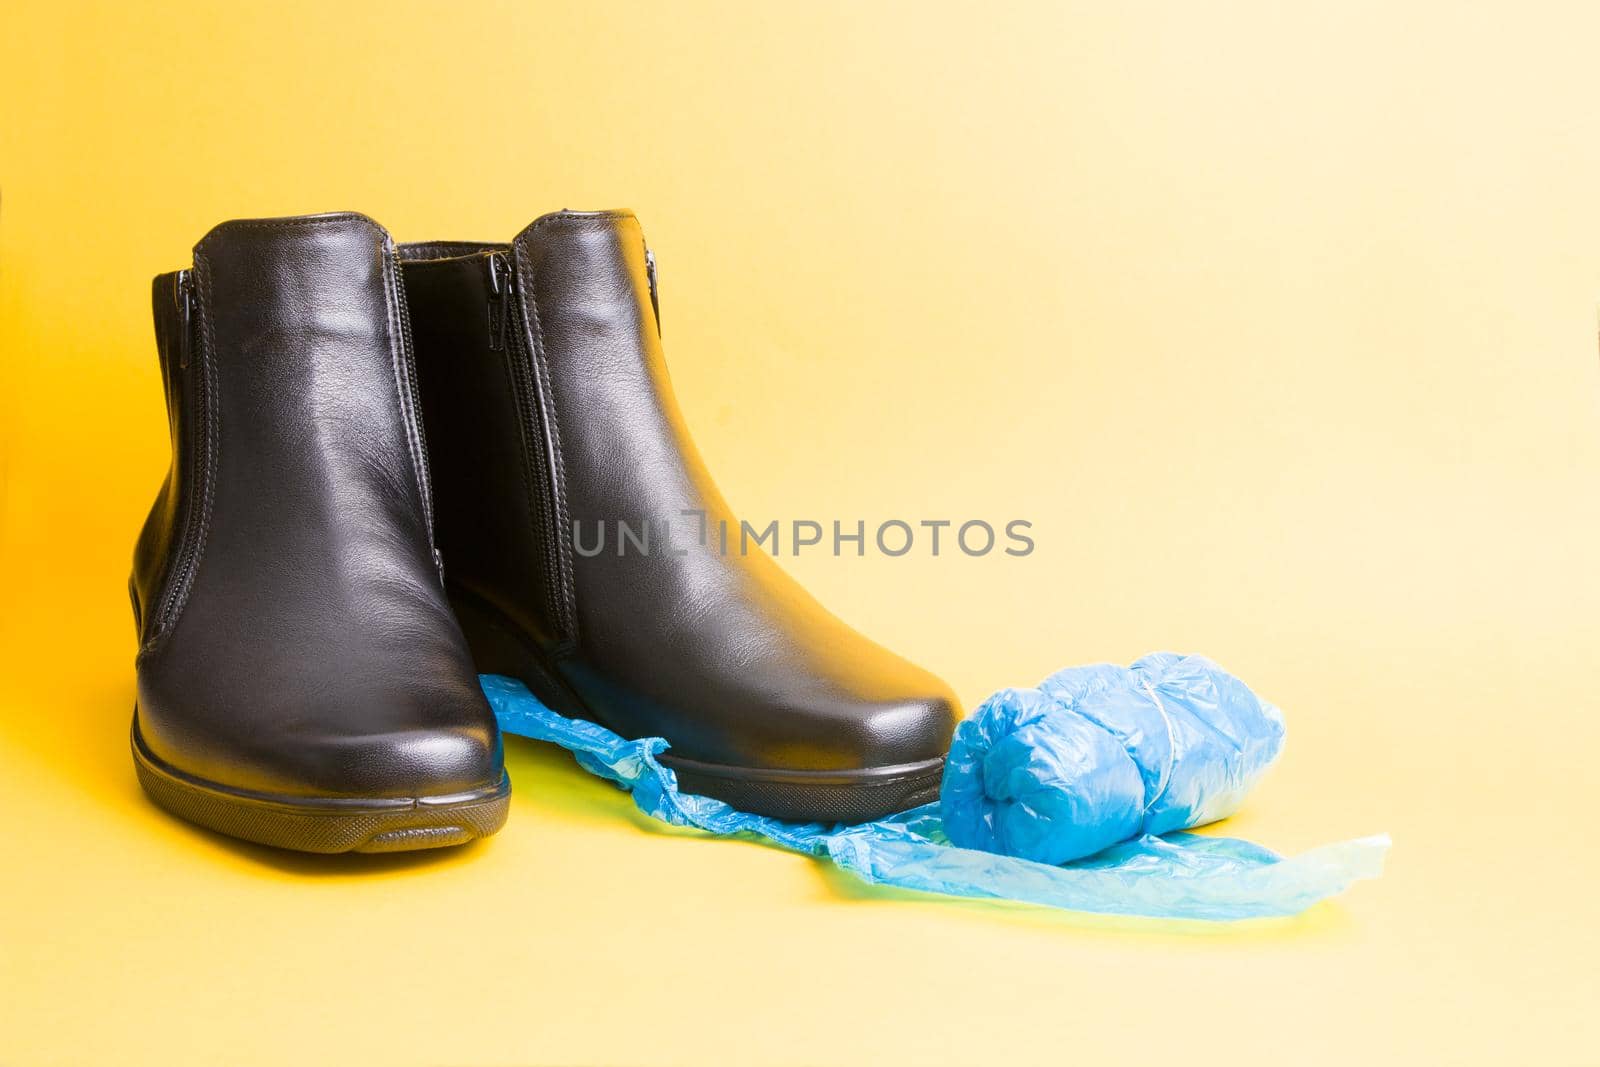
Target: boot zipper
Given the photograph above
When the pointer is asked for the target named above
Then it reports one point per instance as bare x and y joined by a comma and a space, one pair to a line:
502, 308
184, 296
412, 412
193, 478
650, 272
499, 281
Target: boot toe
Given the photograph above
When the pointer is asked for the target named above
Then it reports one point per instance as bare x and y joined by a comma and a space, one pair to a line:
908, 731
433, 762
413, 757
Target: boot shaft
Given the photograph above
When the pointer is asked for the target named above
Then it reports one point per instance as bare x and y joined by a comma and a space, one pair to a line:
544, 383
291, 405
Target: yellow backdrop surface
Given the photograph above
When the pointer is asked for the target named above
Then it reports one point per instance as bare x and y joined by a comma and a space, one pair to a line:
1279, 325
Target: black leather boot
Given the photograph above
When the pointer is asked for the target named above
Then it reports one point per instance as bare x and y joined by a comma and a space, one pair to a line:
549, 409
302, 682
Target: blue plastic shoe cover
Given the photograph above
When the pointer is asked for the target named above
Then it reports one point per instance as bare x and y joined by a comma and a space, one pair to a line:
1101, 754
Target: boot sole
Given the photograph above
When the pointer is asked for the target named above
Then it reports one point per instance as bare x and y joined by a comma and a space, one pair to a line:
813, 796
330, 825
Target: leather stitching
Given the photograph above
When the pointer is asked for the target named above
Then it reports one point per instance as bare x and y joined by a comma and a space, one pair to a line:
515, 387
557, 465
424, 251
407, 416
519, 248
289, 224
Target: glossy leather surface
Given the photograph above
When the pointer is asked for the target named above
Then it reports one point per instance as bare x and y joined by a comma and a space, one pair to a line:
295, 638
574, 421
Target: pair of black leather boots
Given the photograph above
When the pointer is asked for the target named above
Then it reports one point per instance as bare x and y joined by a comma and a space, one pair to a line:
320, 582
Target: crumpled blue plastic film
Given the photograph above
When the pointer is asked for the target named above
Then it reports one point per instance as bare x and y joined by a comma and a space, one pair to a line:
1178, 875
1101, 754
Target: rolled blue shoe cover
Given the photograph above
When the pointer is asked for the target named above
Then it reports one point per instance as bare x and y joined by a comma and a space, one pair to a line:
1098, 755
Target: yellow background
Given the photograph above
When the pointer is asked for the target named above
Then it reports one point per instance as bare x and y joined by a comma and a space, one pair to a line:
1278, 324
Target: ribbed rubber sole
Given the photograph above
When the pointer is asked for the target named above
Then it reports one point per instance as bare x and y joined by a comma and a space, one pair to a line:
399, 824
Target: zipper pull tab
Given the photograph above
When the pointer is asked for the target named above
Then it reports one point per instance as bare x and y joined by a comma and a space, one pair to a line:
183, 296
499, 299
650, 272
